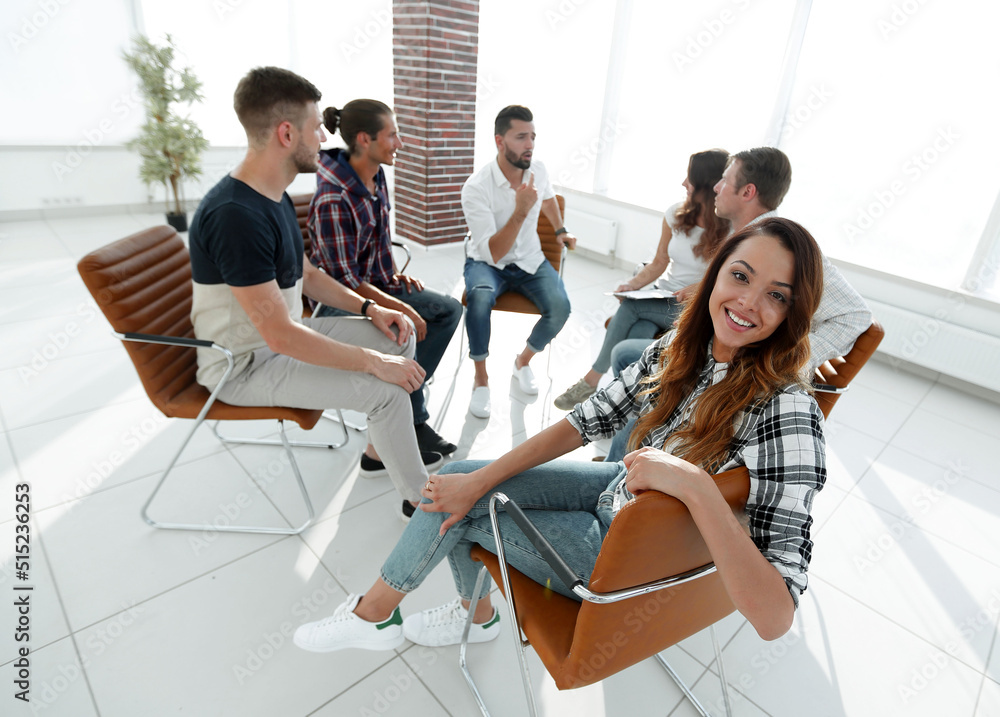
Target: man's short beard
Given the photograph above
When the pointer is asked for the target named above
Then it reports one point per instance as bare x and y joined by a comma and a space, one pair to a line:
305, 163
516, 161
302, 166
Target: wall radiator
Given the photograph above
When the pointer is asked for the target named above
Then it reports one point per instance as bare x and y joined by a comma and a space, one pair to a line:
595, 234
939, 345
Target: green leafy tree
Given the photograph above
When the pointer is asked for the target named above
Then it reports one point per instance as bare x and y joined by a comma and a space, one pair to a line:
169, 144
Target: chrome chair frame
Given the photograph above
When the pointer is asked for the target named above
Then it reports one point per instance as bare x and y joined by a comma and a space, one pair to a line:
284, 442
565, 573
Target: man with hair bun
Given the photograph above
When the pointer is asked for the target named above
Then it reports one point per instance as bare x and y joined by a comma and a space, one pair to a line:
250, 272
351, 241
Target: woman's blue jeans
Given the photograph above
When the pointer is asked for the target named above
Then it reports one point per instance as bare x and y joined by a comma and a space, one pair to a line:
484, 283
636, 319
569, 502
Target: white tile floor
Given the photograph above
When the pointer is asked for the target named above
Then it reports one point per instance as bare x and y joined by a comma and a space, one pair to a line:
900, 618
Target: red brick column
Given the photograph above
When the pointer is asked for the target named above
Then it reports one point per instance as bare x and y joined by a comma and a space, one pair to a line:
434, 49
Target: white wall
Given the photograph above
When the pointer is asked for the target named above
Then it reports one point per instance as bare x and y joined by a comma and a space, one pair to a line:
86, 178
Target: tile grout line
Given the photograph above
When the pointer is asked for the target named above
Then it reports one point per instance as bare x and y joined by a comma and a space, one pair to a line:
65, 616
986, 667
891, 621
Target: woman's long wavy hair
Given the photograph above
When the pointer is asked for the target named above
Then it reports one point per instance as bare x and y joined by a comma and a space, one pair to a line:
704, 172
756, 371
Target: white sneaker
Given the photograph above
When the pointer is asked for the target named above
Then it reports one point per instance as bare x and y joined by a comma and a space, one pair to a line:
480, 405
443, 625
344, 629
526, 379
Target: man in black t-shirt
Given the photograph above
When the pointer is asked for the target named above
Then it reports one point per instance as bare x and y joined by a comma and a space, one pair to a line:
249, 276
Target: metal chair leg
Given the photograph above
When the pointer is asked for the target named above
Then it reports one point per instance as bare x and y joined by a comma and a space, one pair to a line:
687, 691
233, 528
462, 663
328, 415
522, 643
296, 444
722, 671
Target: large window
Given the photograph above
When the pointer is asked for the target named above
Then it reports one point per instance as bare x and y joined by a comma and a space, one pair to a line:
345, 49
892, 133
553, 58
696, 76
62, 79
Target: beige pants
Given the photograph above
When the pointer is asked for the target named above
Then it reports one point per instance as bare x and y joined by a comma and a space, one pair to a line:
274, 379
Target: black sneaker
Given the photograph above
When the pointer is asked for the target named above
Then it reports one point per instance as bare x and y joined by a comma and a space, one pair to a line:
371, 468
406, 511
429, 440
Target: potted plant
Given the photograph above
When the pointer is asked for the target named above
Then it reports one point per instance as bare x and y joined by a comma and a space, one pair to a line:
169, 143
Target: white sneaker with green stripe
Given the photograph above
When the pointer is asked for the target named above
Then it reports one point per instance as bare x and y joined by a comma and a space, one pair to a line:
443, 625
344, 629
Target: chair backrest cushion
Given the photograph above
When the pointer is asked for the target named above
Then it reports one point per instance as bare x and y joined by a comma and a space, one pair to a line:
841, 371
551, 246
142, 284
301, 202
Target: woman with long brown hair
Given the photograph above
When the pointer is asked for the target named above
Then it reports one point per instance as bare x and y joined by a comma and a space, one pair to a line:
690, 234
724, 389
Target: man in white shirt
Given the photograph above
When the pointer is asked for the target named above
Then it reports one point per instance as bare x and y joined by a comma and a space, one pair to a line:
501, 203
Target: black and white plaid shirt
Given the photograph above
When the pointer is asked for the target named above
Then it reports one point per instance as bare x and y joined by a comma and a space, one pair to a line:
779, 441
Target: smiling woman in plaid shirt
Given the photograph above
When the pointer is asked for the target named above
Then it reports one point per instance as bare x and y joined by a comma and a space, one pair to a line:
722, 390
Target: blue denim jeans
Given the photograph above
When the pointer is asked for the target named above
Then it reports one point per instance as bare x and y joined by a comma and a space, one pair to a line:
569, 502
442, 314
484, 283
636, 319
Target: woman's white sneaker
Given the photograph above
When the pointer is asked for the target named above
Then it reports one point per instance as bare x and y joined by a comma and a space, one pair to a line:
344, 629
443, 625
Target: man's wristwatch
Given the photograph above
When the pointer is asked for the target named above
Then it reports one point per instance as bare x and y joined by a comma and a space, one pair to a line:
364, 307
562, 230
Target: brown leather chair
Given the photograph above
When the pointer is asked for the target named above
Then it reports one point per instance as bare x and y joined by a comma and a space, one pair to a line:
555, 252
143, 285
834, 376
630, 611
